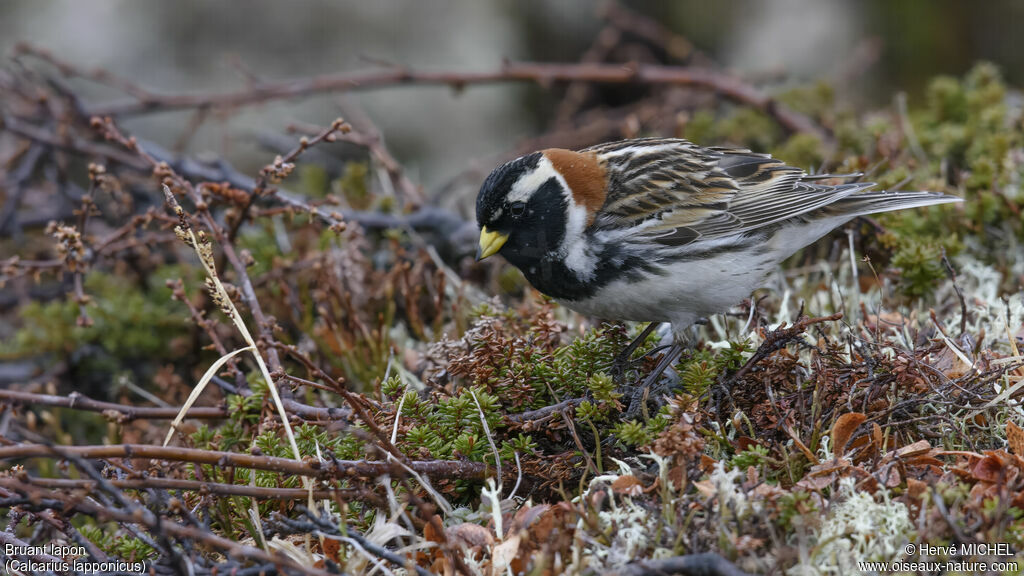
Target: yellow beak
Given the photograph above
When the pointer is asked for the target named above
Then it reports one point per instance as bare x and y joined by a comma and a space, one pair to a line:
490, 243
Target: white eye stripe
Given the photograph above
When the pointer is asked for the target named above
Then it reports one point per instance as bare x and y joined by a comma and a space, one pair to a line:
529, 183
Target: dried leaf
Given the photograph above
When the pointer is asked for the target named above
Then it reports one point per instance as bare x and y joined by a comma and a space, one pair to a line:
331, 548
503, 554
989, 469
526, 516
628, 485
916, 489
430, 531
706, 488
843, 429
1015, 437
469, 535
916, 449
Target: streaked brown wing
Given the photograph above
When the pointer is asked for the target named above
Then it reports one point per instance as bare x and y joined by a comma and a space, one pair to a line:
691, 192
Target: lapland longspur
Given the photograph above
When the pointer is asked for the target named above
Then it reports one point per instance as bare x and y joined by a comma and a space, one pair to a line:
660, 229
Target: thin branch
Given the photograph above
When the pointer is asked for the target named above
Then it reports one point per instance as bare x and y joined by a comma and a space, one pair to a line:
123, 413
543, 74
119, 412
191, 485
40, 498
778, 338
329, 469
546, 412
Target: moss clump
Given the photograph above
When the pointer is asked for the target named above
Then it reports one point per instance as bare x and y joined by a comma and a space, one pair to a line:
353, 185
128, 322
451, 427
803, 150
108, 539
737, 126
700, 370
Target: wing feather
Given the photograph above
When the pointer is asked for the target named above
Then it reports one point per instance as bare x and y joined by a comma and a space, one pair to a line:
673, 192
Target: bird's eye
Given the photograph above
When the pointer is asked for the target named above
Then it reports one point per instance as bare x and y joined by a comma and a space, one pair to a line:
517, 208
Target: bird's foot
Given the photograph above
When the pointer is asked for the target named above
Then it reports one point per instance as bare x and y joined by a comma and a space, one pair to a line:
649, 388
721, 390
623, 360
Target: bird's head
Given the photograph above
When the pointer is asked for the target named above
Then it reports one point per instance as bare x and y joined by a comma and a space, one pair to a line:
528, 207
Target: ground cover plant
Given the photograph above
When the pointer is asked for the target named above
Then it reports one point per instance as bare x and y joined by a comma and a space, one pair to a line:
363, 397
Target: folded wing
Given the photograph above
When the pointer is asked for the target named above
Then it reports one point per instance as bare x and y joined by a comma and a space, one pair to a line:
673, 192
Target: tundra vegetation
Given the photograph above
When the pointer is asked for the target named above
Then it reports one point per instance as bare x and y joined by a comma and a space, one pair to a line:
363, 397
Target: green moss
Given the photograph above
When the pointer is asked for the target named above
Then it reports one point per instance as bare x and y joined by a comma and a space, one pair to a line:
817, 100
452, 426
920, 265
117, 545
755, 455
737, 126
128, 322
946, 101
700, 370
522, 443
353, 185
633, 433
803, 150
312, 180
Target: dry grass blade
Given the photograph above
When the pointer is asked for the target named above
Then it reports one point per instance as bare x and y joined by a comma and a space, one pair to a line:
202, 246
198, 389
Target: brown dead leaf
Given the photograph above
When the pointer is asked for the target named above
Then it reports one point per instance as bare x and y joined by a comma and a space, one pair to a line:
864, 446
892, 478
949, 363
707, 464
331, 548
815, 483
503, 554
868, 484
843, 430
1015, 437
706, 488
1009, 467
547, 533
743, 443
470, 535
916, 489
526, 516
628, 485
677, 477
430, 531
918, 448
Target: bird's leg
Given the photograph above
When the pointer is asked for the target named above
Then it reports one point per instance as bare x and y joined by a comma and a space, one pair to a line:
637, 401
719, 391
621, 361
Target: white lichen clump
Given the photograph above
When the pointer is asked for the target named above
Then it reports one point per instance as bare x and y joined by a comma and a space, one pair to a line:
633, 529
858, 529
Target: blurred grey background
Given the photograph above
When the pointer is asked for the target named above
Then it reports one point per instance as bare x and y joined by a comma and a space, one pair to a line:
210, 46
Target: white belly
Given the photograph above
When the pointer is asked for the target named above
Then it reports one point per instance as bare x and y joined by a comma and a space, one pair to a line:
688, 291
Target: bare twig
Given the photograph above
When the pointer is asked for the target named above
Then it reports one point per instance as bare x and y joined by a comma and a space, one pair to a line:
546, 412
119, 412
959, 293
543, 74
778, 338
194, 486
330, 469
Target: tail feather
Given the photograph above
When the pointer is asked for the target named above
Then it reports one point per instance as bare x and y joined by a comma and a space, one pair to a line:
874, 202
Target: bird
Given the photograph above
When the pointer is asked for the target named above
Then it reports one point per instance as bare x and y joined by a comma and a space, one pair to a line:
661, 229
